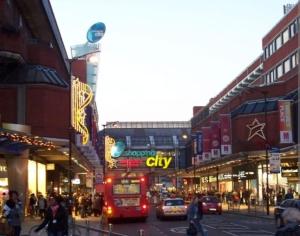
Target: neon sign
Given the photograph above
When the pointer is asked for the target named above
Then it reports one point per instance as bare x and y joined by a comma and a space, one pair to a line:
115, 152
81, 96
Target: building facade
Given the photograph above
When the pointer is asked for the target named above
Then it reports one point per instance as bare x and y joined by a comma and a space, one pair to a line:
239, 133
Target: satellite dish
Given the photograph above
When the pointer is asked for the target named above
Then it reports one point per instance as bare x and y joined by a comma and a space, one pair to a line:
96, 32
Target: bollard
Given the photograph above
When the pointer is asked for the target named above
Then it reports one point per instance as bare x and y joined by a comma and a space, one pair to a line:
110, 229
87, 224
141, 232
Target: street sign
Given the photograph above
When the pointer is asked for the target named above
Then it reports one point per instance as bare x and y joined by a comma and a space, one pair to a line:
96, 32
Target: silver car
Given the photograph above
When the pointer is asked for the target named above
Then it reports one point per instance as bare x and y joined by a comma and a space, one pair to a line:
171, 207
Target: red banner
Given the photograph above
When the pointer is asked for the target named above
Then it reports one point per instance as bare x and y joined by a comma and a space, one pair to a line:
285, 121
215, 139
225, 130
206, 143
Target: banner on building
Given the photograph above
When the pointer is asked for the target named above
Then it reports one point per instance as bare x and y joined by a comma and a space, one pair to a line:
225, 130
285, 121
199, 143
215, 139
99, 176
274, 161
206, 156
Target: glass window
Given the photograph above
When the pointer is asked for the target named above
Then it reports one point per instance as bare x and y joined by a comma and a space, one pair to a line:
175, 202
278, 42
266, 52
267, 79
271, 49
271, 106
126, 188
259, 107
272, 77
249, 108
287, 65
294, 60
279, 71
293, 29
285, 36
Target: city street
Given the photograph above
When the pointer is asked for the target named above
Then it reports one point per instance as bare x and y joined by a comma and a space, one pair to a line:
216, 225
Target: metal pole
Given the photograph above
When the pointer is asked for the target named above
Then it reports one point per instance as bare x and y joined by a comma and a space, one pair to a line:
109, 229
141, 232
267, 153
70, 131
104, 161
194, 179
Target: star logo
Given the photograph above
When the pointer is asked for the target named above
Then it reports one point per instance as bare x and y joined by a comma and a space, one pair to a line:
256, 128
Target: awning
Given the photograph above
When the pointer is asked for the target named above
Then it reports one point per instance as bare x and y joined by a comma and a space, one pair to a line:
32, 74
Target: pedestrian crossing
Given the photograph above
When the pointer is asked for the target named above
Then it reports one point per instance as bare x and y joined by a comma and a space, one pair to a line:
234, 229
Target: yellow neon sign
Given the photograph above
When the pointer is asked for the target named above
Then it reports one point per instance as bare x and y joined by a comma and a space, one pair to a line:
109, 143
81, 97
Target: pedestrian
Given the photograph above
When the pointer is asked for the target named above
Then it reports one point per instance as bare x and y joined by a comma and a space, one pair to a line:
289, 195
12, 210
32, 203
42, 206
56, 218
101, 205
195, 214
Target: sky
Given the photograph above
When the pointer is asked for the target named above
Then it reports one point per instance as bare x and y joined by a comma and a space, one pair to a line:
159, 58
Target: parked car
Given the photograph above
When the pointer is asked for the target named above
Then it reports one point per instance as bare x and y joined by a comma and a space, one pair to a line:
211, 204
171, 207
278, 210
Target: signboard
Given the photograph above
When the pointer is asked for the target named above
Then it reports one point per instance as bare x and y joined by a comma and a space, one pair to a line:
285, 121
81, 96
274, 161
96, 32
117, 156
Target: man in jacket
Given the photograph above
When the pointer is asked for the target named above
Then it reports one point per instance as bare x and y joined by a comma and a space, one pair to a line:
56, 217
195, 214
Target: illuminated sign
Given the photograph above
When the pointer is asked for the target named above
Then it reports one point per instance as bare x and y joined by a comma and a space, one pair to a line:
115, 153
158, 161
256, 129
81, 97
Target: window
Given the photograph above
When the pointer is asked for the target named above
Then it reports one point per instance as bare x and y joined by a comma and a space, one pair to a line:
293, 29
126, 188
174, 202
259, 107
285, 36
271, 49
294, 60
267, 79
278, 42
279, 71
287, 65
249, 108
266, 52
272, 77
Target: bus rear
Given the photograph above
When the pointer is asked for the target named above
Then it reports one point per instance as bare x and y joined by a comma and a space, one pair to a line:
126, 198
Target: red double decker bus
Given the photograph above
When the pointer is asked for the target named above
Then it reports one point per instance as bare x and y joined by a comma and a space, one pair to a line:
125, 196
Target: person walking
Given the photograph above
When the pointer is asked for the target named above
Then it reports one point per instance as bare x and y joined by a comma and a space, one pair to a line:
42, 206
195, 214
12, 210
289, 195
56, 217
32, 203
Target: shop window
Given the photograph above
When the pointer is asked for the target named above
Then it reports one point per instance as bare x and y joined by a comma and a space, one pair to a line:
287, 65
285, 36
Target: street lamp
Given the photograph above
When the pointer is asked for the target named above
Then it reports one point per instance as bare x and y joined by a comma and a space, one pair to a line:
70, 118
264, 93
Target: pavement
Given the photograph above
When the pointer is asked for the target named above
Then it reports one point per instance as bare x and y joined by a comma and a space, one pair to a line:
243, 209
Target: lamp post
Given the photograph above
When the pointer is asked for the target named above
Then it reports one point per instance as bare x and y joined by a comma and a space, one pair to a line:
104, 161
70, 118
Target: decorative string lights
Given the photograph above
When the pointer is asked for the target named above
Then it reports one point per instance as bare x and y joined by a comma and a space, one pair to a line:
29, 140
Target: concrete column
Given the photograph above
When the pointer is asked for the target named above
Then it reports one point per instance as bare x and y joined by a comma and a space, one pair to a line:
17, 171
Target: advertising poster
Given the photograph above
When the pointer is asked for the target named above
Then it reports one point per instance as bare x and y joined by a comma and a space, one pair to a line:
274, 161
225, 130
285, 121
215, 139
206, 156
